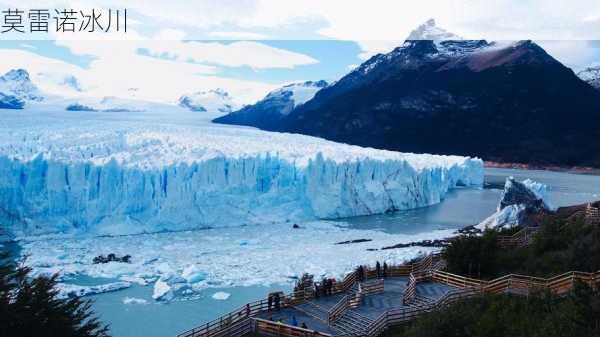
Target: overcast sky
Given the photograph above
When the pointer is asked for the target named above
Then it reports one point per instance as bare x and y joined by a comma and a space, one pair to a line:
271, 42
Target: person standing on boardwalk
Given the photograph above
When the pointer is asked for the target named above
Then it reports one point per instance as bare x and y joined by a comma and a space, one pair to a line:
385, 268
378, 269
247, 310
270, 302
277, 302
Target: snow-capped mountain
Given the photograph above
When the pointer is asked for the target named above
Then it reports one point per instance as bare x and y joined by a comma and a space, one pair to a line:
268, 112
438, 96
591, 75
214, 102
107, 104
429, 31
16, 89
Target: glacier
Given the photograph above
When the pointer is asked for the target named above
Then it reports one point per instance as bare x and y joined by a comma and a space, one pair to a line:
518, 198
107, 175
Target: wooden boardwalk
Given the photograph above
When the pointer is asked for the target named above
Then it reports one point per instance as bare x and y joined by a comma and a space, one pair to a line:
367, 305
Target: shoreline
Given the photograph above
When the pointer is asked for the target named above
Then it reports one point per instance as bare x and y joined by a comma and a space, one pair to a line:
552, 168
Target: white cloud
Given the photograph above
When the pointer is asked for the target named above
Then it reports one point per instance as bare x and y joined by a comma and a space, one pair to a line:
574, 54
242, 53
373, 20
28, 46
238, 35
372, 47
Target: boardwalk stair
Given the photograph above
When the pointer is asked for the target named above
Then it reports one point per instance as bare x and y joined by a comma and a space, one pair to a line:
352, 324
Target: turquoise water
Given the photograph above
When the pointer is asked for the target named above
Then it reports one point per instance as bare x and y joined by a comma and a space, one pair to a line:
461, 207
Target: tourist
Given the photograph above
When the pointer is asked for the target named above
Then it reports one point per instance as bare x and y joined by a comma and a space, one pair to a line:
316, 290
247, 310
270, 300
304, 326
385, 267
277, 302
378, 269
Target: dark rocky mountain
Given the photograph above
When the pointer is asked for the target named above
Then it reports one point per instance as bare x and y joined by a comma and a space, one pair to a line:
506, 103
268, 113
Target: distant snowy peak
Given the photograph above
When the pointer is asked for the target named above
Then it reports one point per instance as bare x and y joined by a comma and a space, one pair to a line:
297, 93
16, 85
214, 101
591, 75
429, 31
268, 112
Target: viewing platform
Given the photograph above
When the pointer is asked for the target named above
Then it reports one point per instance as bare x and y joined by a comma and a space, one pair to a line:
370, 300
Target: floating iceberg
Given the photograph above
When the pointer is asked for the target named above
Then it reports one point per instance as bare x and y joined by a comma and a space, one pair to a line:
274, 253
108, 177
134, 300
73, 290
221, 296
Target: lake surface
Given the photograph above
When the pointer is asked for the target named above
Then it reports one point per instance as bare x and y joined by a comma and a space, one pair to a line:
145, 317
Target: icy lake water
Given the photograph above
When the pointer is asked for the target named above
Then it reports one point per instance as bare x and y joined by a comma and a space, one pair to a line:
132, 312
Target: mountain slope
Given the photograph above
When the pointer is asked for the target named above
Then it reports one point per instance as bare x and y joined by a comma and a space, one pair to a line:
215, 102
591, 75
268, 112
511, 103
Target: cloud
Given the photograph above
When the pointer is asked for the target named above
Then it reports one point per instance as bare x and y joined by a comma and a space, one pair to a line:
237, 54
574, 54
239, 35
372, 47
154, 79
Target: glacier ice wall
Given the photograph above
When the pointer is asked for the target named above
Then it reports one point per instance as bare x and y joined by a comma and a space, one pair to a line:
47, 196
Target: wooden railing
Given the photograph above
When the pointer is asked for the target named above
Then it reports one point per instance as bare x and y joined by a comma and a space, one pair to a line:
338, 309
421, 271
221, 325
265, 327
521, 238
402, 315
237, 317
513, 283
372, 287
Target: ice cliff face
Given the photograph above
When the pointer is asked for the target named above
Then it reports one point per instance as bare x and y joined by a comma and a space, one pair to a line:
518, 201
122, 178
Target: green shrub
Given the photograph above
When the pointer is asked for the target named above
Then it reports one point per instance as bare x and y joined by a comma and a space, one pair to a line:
29, 307
541, 315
